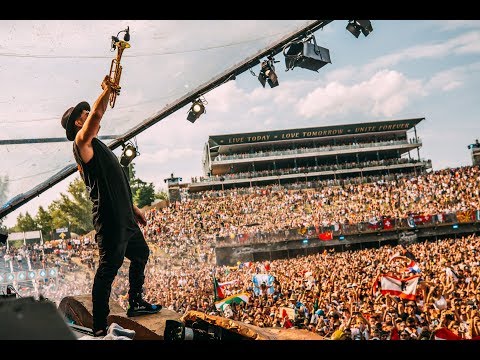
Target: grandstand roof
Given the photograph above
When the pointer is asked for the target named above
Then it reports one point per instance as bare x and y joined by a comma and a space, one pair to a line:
313, 132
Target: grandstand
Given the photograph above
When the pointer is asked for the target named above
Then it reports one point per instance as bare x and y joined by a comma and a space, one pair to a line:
362, 150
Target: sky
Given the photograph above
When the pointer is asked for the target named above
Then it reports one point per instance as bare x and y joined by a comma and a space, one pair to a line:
403, 69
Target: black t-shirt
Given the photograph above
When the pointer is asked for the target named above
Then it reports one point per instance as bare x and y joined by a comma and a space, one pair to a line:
108, 188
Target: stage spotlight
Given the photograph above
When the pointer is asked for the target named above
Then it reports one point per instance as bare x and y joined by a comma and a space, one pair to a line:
10, 277
42, 273
197, 109
31, 275
129, 153
2, 278
267, 73
357, 26
22, 276
306, 54
354, 29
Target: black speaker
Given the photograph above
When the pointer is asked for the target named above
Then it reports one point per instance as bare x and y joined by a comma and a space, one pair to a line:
29, 319
307, 55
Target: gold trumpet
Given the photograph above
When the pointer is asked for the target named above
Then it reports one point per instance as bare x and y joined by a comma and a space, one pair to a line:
115, 67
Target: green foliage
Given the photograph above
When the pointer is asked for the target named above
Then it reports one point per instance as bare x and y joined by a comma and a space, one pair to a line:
162, 195
144, 195
26, 222
72, 210
44, 222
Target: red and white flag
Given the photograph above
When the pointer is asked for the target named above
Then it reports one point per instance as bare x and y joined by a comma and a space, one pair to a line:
446, 334
403, 288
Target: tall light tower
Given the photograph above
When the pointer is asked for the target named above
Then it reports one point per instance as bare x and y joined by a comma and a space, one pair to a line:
475, 149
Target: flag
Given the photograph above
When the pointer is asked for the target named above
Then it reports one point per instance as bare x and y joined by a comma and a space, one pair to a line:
412, 265
388, 223
394, 335
263, 279
439, 218
422, 219
450, 273
411, 222
287, 312
217, 290
325, 236
243, 237
222, 285
234, 299
446, 334
374, 224
311, 231
465, 216
302, 231
245, 265
336, 227
404, 288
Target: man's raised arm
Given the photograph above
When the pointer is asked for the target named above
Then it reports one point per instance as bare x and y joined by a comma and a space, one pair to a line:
92, 124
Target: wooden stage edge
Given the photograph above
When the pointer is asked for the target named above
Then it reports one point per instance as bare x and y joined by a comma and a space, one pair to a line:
146, 327
152, 327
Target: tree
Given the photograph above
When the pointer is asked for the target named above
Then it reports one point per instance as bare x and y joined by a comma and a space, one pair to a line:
44, 221
74, 209
144, 195
135, 183
25, 222
162, 195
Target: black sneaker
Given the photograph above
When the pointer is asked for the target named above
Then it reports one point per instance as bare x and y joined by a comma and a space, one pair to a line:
141, 307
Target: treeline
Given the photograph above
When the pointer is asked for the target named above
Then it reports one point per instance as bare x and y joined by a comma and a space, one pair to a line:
73, 210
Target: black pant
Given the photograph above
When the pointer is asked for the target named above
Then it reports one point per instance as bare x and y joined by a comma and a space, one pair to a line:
113, 247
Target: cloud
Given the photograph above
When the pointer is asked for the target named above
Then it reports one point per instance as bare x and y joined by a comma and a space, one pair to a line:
386, 93
457, 24
452, 78
462, 44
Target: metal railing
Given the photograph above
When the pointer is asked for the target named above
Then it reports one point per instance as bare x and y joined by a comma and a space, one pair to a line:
313, 232
362, 166
223, 157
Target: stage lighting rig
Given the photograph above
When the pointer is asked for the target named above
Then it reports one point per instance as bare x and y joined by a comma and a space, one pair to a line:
267, 72
357, 26
306, 54
197, 109
129, 152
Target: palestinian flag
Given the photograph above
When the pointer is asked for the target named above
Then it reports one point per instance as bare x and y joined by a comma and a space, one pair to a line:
217, 290
237, 299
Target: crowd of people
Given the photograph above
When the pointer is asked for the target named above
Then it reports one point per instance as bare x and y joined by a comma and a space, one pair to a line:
329, 293
272, 208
